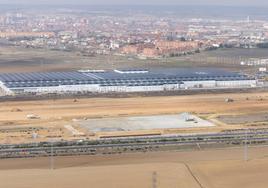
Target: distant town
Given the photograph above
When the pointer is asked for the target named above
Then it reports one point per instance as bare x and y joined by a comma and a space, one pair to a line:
147, 35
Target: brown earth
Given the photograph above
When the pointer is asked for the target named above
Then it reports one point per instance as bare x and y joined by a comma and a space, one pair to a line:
55, 114
191, 169
104, 107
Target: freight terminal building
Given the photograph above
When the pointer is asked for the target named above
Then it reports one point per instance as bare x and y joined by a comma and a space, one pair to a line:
118, 81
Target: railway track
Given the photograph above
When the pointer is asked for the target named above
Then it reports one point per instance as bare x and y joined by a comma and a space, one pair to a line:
110, 146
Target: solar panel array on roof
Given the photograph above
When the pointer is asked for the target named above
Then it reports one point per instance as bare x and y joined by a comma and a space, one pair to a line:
111, 78
42, 76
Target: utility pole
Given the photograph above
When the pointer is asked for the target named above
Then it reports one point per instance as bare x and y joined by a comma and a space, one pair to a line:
154, 180
52, 157
246, 146
52, 140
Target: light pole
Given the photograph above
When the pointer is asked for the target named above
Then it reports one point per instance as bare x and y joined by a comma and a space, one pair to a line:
246, 146
51, 156
52, 153
154, 179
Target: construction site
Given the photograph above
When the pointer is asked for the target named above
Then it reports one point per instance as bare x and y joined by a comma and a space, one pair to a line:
171, 127
93, 118
210, 140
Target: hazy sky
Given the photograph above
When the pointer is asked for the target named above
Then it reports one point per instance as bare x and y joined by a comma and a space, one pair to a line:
110, 2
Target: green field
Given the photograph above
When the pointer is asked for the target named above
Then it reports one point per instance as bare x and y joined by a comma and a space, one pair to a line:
14, 59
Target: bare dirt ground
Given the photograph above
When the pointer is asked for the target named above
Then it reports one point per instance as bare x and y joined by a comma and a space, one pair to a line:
55, 114
232, 174
243, 119
104, 107
191, 169
98, 177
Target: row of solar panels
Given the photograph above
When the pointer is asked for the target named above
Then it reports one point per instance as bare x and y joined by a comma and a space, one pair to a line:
137, 84
113, 82
45, 76
136, 80
50, 76
130, 80
18, 77
101, 84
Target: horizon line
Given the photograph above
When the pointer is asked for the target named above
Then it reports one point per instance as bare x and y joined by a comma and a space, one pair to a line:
120, 4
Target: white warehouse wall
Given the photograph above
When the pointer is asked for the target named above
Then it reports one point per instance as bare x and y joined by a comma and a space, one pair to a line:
237, 83
4, 90
107, 89
200, 84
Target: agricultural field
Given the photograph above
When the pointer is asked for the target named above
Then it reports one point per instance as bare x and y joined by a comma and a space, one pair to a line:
191, 169
15, 59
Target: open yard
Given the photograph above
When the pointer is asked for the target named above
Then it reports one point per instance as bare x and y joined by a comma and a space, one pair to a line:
56, 115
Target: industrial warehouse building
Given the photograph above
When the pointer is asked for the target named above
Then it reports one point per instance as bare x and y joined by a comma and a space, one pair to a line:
101, 81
